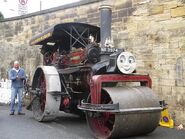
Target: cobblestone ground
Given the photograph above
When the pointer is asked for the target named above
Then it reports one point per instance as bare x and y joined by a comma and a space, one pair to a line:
66, 126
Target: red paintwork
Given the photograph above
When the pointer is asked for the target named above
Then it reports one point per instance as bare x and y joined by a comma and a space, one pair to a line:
97, 80
73, 58
66, 102
80, 56
43, 90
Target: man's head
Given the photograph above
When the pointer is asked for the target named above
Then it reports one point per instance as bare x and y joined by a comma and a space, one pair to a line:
16, 65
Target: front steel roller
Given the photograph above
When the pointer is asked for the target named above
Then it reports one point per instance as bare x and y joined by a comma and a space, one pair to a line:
46, 104
138, 113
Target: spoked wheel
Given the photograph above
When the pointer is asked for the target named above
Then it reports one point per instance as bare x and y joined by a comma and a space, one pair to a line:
42, 82
120, 124
46, 82
101, 123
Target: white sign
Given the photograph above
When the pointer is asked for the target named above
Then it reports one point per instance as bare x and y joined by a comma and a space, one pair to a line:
22, 7
5, 91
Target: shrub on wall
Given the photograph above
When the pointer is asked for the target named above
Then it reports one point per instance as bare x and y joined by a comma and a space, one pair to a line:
1, 16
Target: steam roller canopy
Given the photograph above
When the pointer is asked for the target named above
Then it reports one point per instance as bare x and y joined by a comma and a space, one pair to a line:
125, 123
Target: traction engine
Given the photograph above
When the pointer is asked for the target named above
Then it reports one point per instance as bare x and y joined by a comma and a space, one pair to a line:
84, 75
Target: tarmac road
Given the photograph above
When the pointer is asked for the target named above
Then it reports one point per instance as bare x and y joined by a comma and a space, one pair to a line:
64, 127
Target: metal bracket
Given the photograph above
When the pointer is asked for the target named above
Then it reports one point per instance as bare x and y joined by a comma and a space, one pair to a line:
97, 107
114, 108
55, 93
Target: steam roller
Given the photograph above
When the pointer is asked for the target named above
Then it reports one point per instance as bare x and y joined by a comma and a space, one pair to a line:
83, 73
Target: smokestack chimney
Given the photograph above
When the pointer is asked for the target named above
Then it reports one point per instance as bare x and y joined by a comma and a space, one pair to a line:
105, 23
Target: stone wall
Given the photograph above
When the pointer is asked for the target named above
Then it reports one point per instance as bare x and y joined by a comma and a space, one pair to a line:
154, 30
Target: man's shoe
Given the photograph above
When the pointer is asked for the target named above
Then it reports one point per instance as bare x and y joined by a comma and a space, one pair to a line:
11, 113
20, 113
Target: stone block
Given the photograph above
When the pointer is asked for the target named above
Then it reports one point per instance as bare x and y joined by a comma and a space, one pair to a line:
122, 13
162, 17
131, 10
118, 2
114, 20
139, 2
122, 4
178, 11
141, 10
178, 115
123, 34
88, 9
82, 20
157, 9
93, 15
114, 14
94, 20
167, 82
170, 4
84, 11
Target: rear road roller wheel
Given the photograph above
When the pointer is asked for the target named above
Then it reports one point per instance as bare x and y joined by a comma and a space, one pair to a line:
47, 83
119, 124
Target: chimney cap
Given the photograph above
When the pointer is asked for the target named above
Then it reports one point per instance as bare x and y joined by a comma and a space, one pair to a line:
105, 7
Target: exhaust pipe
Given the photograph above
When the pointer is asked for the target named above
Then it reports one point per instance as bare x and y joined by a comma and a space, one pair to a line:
105, 23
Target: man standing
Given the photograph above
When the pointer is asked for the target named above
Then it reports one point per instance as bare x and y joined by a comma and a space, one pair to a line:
17, 76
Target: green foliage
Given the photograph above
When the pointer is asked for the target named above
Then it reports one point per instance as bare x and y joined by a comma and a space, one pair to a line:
1, 16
